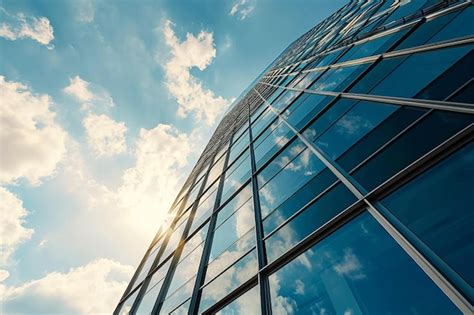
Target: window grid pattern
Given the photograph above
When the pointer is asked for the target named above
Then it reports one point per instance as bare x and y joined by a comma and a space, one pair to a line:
341, 127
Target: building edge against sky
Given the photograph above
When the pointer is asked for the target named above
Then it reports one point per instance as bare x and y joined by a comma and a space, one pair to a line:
340, 182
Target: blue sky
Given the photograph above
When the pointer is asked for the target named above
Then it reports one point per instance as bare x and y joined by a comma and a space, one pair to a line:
104, 108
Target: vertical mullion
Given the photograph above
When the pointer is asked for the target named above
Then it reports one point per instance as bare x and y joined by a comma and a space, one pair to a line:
177, 252
196, 295
265, 303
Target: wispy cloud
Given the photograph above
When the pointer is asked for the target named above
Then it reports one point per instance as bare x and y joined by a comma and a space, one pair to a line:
105, 136
194, 52
20, 26
242, 9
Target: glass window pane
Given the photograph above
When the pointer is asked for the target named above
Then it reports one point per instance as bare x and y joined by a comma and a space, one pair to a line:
426, 135
292, 177
233, 228
182, 309
205, 207
337, 79
239, 146
153, 289
147, 265
374, 46
351, 127
127, 305
437, 207
186, 269
379, 136
412, 74
216, 171
243, 198
359, 269
262, 122
265, 147
426, 31
236, 175
298, 200
234, 276
175, 237
324, 209
300, 113
280, 161
179, 296
247, 303
230, 255
285, 99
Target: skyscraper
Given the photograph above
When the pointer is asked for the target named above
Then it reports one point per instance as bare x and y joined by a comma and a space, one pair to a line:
341, 182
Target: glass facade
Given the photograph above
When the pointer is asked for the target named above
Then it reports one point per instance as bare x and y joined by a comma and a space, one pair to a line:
342, 182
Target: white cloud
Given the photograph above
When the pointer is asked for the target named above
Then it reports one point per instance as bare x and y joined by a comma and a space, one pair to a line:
149, 187
12, 229
32, 142
191, 96
105, 136
19, 26
350, 265
299, 287
242, 8
92, 97
90, 289
4, 275
85, 11
79, 89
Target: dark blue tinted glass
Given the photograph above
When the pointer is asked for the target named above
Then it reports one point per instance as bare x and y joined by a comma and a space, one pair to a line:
279, 135
292, 176
351, 127
373, 46
411, 74
300, 198
338, 79
450, 81
280, 161
320, 125
300, 113
359, 269
321, 211
430, 132
437, 206
379, 136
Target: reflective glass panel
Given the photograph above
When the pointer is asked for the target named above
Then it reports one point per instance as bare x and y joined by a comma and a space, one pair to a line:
229, 280
247, 303
233, 228
351, 127
293, 176
216, 171
127, 305
243, 198
300, 113
359, 269
153, 289
265, 147
321, 211
205, 207
424, 136
236, 175
437, 207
